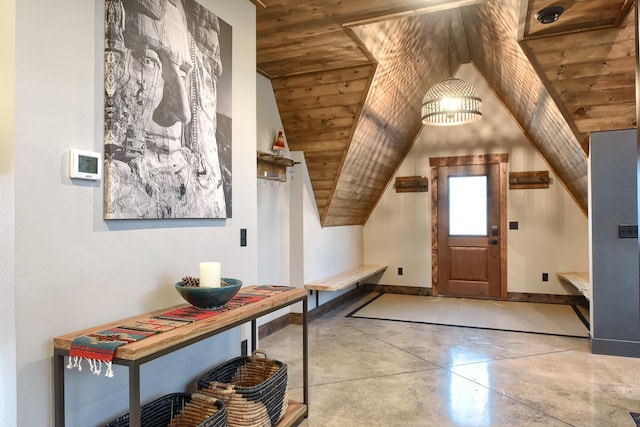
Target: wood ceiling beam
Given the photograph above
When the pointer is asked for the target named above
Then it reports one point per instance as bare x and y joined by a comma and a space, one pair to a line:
626, 8
522, 19
460, 36
432, 7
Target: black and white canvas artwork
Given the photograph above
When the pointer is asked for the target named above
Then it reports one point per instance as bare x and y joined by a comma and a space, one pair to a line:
167, 135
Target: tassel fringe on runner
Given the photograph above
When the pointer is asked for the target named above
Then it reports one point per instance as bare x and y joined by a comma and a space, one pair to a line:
94, 365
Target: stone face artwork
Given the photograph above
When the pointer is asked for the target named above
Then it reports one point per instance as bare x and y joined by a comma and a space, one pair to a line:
167, 122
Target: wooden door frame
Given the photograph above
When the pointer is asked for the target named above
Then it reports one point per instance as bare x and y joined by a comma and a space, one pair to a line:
437, 162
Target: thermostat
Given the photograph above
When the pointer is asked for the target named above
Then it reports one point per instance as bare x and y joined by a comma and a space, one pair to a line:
85, 164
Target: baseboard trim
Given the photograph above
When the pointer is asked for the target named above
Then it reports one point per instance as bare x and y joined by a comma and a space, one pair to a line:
511, 296
328, 306
548, 298
296, 318
615, 347
275, 325
403, 290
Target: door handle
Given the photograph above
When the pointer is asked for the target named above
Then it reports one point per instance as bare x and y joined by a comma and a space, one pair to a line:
494, 241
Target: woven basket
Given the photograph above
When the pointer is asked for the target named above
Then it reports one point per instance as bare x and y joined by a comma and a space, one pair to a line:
253, 389
171, 410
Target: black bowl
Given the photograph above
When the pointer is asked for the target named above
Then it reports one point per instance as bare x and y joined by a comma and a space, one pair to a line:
209, 298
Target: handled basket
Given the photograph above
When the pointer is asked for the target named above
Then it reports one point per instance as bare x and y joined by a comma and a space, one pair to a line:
178, 410
253, 389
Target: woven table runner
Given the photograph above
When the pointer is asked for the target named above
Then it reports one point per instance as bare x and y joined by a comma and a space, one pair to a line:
98, 348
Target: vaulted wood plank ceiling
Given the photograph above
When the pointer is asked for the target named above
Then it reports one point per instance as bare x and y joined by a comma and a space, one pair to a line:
349, 77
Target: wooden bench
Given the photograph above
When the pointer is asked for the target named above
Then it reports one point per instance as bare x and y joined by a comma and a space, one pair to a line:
346, 278
579, 280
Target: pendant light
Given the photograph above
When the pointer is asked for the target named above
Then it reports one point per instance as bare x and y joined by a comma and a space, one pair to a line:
452, 101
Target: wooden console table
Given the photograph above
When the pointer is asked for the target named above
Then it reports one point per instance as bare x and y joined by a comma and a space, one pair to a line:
135, 354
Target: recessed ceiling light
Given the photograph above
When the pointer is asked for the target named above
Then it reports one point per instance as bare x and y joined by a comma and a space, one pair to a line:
549, 15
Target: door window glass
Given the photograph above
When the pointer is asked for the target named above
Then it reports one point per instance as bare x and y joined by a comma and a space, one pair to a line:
468, 205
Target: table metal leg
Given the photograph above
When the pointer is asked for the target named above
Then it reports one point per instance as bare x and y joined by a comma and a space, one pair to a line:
58, 388
305, 353
254, 335
134, 395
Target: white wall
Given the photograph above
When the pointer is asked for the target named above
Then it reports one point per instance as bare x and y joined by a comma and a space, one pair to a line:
318, 251
294, 248
552, 234
328, 250
8, 397
273, 196
273, 201
74, 270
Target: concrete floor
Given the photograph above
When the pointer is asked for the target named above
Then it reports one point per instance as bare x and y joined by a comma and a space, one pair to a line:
382, 373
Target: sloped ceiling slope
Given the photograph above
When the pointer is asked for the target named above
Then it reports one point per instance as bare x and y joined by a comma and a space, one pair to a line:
499, 58
349, 78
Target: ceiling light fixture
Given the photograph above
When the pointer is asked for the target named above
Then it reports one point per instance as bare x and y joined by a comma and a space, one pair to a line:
452, 101
549, 15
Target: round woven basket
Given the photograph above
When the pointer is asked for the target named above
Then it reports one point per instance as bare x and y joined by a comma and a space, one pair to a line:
253, 389
167, 410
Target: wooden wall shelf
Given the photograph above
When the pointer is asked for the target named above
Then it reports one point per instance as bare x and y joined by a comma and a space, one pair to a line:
412, 184
527, 180
273, 167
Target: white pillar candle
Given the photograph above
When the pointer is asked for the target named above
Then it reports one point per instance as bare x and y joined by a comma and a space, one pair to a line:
209, 274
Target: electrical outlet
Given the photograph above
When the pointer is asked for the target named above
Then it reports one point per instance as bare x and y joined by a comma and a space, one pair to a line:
399, 271
545, 277
627, 231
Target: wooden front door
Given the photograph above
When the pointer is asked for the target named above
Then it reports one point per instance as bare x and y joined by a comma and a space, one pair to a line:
470, 230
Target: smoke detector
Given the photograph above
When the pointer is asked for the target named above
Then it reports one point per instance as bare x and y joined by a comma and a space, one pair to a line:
549, 15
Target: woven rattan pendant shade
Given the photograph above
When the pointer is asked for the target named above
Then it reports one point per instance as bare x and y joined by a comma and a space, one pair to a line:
451, 102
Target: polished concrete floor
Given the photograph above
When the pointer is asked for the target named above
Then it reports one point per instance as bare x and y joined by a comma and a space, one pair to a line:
382, 373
